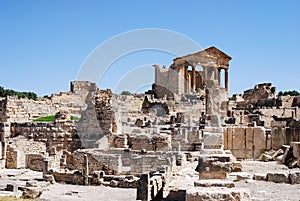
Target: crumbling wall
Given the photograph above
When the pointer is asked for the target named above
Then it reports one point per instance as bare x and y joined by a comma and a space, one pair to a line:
25, 110
35, 161
168, 82
156, 142
119, 161
18, 148
260, 91
28, 140
110, 163
3, 117
14, 109
216, 102
104, 111
62, 135
152, 162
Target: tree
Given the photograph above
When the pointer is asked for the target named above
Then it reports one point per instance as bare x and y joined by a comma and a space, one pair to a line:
291, 93
9, 92
125, 93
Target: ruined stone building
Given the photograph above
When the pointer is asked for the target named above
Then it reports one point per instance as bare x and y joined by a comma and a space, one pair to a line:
142, 140
191, 73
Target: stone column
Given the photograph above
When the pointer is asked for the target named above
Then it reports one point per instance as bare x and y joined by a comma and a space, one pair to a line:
193, 78
204, 73
219, 77
189, 84
185, 79
86, 170
226, 79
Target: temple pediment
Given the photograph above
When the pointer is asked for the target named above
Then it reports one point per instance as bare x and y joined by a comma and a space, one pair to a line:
211, 56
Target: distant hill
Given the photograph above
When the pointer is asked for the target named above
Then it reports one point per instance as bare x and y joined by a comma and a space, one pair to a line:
9, 92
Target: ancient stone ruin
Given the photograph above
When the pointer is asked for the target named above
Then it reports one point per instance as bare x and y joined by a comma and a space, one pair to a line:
147, 141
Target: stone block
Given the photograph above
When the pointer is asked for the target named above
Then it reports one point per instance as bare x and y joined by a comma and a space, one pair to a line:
213, 140
249, 138
260, 177
216, 194
277, 153
242, 153
296, 149
213, 167
259, 136
240, 176
34, 162
295, 177
278, 177
257, 153
237, 166
213, 175
265, 158
229, 138
225, 137
238, 138
214, 183
278, 136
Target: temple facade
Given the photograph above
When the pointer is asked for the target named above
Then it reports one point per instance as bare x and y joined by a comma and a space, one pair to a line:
192, 73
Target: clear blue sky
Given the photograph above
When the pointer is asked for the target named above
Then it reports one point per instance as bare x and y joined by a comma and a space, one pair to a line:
44, 43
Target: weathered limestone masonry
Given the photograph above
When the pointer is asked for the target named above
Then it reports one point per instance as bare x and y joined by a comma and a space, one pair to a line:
258, 121
13, 109
24, 141
185, 75
246, 142
37, 141
97, 121
260, 105
143, 140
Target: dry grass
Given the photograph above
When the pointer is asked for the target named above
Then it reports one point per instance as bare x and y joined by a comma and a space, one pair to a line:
11, 198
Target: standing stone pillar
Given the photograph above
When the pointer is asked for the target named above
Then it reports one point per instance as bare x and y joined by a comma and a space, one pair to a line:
226, 79
189, 84
144, 191
204, 73
186, 83
219, 77
45, 167
86, 170
3, 147
193, 78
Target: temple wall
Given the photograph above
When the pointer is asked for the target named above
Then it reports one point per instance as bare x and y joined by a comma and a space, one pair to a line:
170, 79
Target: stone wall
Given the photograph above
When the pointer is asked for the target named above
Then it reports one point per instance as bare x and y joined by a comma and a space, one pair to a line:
169, 81
3, 117
109, 163
29, 141
14, 109
62, 135
35, 161
17, 149
251, 142
246, 142
260, 91
25, 110
119, 161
